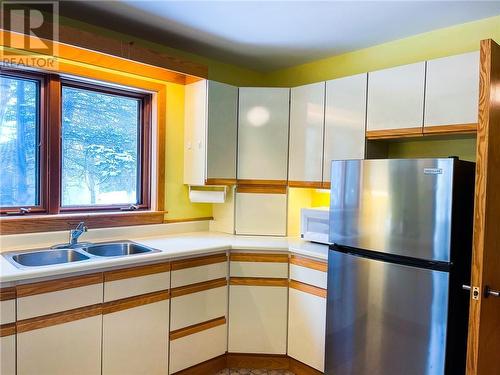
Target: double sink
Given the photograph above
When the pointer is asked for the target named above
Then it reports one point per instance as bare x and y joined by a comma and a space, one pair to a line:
68, 254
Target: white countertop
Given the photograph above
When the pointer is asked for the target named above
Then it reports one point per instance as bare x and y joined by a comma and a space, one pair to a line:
170, 246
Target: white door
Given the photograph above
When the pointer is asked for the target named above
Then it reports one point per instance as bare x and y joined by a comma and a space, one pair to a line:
345, 117
263, 133
222, 131
452, 90
307, 114
135, 340
396, 98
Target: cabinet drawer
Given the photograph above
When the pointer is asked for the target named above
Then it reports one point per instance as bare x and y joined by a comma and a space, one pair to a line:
258, 265
198, 307
48, 297
189, 350
197, 270
135, 281
308, 271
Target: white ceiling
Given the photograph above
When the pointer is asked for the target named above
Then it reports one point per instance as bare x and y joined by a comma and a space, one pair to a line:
269, 35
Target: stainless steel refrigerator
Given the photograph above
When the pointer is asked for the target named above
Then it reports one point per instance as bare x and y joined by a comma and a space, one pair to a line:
401, 234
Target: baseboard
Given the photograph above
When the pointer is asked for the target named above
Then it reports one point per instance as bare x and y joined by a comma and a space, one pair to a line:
210, 367
250, 360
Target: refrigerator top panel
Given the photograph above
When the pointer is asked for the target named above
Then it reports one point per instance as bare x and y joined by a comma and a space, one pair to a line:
393, 206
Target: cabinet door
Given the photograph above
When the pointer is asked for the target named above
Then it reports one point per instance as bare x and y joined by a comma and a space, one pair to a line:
261, 214
452, 90
135, 340
396, 98
195, 129
222, 131
306, 328
345, 117
8, 353
257, 319
263, 133
307, 114
72, 347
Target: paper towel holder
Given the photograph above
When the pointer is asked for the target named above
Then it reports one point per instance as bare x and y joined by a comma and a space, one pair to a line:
207, 194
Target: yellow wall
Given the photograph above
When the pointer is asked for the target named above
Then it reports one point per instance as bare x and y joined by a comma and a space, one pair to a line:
439, 43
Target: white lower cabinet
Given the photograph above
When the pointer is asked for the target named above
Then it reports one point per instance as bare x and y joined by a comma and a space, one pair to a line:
72, 348
306, 328
257, 319
135, 340
8, 355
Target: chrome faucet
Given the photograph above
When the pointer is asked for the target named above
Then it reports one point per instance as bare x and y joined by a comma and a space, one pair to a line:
74, 234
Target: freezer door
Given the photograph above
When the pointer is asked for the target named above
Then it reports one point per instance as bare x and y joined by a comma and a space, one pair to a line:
384, 318
398, 206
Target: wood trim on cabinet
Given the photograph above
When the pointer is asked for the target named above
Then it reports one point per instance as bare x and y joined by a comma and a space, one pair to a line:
199, 261
317, 265
258, 281
172, 221
8, 329
198, 287
195, 328
451, 129
211, 366
135, 301
299, 368
51, 223
394, 133
262, 182
58, 318
42, 287
326, 185
137, 271
249, 360
7, 293
261, 189
306, 288
256, 257
305, 184
220, 181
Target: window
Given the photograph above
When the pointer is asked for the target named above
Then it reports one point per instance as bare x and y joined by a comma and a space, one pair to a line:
97, 146
19, 140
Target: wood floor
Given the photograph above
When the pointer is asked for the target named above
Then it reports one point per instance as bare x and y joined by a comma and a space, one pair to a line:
246, 371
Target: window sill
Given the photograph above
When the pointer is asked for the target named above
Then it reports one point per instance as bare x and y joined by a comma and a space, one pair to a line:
52, 223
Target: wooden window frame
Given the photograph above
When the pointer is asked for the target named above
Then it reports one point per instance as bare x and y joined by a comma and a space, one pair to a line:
50, 153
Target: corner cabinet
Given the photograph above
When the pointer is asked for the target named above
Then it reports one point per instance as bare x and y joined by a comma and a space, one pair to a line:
263, 118
210, 133
345, 120
258, 303
452, 93
307, 114
396, 101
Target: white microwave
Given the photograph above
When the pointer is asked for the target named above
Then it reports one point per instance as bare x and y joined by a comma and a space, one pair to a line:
314, 224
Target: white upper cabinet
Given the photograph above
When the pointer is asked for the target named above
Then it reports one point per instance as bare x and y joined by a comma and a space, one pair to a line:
307, 114
396, 98
345, 117
263, 133
452, 90
222, 130
210, 129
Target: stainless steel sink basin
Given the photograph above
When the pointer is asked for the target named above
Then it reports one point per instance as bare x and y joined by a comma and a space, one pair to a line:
46, 257
115, 249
